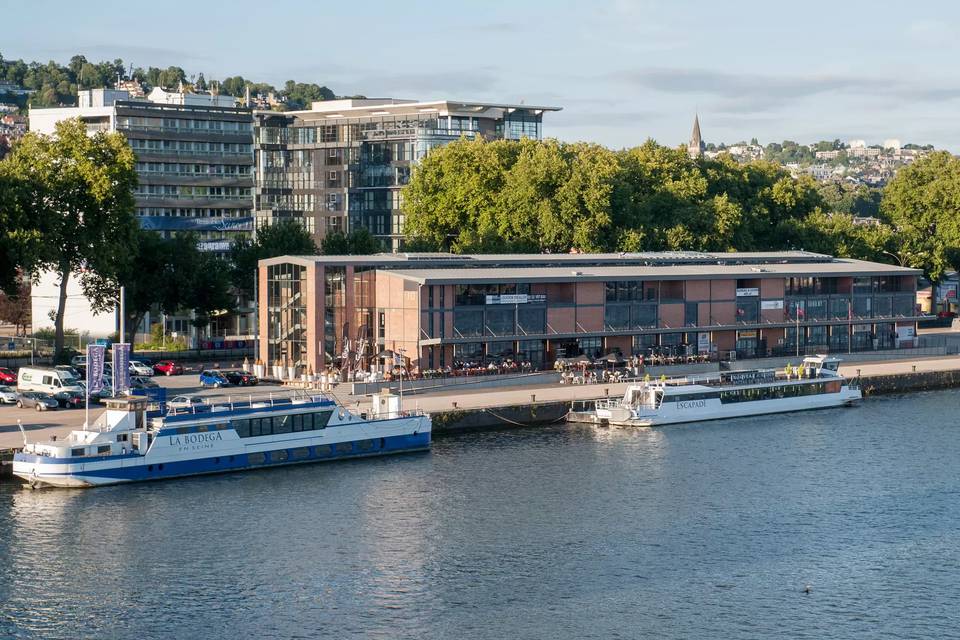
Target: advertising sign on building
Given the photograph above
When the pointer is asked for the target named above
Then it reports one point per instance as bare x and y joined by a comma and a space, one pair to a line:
703, 343
95, 356
771, 304
516, 298
121, 368
748, 291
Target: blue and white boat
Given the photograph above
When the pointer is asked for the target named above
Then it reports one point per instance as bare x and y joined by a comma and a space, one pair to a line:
127, 446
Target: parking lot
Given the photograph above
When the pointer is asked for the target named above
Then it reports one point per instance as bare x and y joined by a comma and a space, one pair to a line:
66, 419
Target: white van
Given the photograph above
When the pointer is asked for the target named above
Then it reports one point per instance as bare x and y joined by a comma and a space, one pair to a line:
46, 380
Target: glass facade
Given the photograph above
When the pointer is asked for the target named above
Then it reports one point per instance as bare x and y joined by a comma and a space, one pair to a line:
354, 167
286, 315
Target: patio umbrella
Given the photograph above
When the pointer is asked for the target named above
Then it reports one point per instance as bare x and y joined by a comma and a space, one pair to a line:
386, 353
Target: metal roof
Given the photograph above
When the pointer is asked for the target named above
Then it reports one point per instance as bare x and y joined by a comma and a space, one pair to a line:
535, 259
837, 267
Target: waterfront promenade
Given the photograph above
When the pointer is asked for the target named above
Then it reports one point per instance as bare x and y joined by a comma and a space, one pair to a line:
43, 425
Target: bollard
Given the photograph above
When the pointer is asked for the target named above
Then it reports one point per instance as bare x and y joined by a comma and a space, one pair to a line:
858, 373
533, 397
454, 404
606, 391
913, 368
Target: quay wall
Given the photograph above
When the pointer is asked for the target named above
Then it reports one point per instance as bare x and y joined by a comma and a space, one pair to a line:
905, 382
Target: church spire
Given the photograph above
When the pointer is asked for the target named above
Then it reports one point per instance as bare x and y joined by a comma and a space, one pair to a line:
696, 146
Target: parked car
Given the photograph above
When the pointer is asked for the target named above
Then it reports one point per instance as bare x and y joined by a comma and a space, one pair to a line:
138, 368
240, 378
70, 399
78, 361
37, 399
7, 376
140, 382
7, 395
181, 403
167, 368
213, 379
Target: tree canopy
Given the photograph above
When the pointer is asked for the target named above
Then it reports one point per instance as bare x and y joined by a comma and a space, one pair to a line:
923, 203
54, 84
73, 193
476, 196
286, 237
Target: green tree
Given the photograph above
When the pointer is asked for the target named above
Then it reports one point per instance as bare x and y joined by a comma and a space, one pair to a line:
79, 196
286, 237
923, 204
358, 242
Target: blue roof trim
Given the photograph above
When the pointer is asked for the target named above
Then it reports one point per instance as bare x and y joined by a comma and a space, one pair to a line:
243, 410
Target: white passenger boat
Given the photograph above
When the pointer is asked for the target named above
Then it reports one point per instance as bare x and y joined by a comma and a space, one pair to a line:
127, 446
817, 384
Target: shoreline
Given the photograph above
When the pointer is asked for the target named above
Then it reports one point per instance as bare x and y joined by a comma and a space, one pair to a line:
455, 412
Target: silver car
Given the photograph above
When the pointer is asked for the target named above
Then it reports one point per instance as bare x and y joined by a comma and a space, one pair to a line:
37, 399
7, 395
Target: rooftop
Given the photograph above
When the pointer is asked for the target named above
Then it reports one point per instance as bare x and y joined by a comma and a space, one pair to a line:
365, 107
439, 267
659, 272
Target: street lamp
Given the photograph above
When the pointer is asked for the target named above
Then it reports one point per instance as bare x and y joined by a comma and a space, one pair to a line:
896, 257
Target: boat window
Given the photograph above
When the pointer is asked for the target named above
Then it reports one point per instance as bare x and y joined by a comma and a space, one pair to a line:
365, 445
283, 424
78, 452
323, 450
103, 449
183, 430
278, 456
256, 458
344, 447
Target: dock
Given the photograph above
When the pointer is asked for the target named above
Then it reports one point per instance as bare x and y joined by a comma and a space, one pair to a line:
455, 409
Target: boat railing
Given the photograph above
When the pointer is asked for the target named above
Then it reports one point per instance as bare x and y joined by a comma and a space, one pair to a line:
249, 401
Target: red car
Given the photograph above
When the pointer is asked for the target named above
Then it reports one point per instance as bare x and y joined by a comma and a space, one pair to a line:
7, 376
167, 368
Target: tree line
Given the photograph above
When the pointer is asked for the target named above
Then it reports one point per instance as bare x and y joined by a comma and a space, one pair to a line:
533, 196
54, 84
67, 207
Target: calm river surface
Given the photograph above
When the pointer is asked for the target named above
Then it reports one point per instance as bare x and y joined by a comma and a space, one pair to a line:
709, 530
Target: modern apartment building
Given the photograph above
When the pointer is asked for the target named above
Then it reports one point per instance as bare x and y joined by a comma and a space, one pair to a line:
194, 164
194, 157
443, 309
341, 164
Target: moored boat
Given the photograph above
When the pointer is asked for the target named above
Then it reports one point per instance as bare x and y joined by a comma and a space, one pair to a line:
127, 446
816, 384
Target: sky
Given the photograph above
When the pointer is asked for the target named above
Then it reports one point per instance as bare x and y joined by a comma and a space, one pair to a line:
622, 70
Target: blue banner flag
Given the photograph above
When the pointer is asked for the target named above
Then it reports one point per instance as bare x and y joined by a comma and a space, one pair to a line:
95, 355
121, 368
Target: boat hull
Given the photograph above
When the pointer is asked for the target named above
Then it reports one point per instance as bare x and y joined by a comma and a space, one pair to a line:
715, 410
229, 455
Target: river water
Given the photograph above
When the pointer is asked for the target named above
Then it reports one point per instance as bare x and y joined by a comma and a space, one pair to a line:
708, 530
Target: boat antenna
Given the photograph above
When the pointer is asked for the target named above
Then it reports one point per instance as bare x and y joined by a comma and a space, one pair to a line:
23, 432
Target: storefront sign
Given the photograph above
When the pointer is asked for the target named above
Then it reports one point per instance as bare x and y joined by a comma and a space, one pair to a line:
905, 333
749, 291
746, 334
771, 304
516, 298
703, 343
